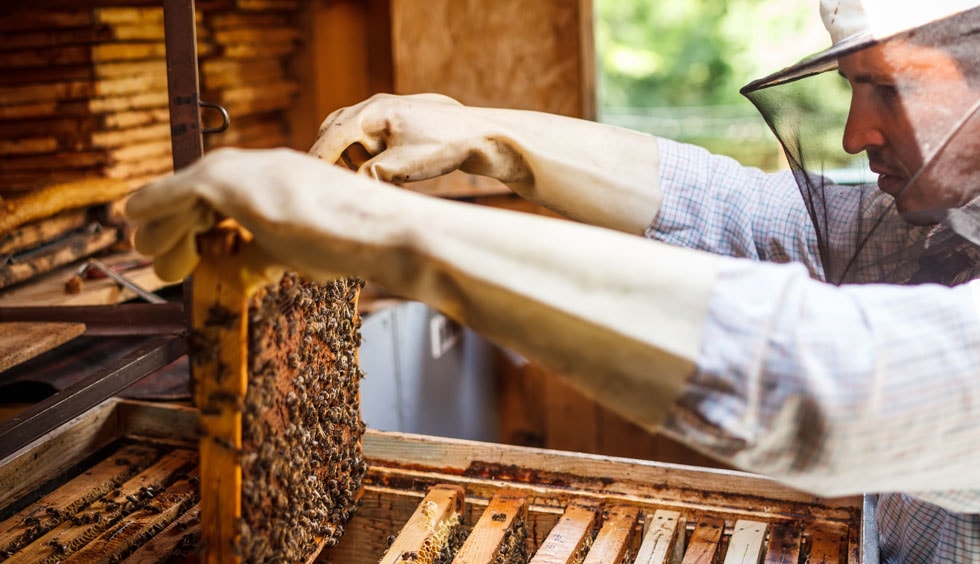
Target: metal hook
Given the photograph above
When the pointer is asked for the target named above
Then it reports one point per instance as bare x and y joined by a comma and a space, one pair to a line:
225, 120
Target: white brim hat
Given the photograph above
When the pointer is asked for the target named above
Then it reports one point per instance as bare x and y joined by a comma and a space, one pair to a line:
856, 24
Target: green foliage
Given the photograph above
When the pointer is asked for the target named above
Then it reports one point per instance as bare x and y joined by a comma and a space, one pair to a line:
674, 53
664, 62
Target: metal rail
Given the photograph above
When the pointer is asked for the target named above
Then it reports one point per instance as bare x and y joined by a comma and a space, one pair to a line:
138, 358
107, 320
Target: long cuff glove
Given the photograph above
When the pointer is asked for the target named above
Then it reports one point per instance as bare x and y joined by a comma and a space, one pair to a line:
619, 315
594, 173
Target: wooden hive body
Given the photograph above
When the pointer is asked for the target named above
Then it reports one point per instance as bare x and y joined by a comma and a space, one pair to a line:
514, 504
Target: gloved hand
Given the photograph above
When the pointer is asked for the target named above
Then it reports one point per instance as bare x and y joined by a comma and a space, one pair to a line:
619, 315
594, 173
286, 200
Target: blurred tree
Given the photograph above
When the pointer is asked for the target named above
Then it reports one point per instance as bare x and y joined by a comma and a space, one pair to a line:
675, 68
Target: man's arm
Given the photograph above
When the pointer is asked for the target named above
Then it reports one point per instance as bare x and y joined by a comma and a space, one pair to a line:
590, 172
834, 389
839, 390
619, 315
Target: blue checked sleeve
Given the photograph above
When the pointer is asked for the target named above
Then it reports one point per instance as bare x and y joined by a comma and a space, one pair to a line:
713, 203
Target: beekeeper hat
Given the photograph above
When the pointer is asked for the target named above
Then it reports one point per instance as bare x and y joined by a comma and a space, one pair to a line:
855, 24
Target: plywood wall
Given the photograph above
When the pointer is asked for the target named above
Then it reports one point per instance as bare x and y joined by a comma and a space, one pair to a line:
508, 53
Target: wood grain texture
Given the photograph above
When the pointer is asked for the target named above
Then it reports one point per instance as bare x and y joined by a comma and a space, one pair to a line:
570, 539
500, 535
429, 533
747, 542
65, 251
219, 360
20, 342
784, 544
510, 53
704, 546
49, 289
614, 541
663, 536
403, 466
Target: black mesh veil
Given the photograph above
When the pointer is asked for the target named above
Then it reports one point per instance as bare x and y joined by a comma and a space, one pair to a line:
891, 175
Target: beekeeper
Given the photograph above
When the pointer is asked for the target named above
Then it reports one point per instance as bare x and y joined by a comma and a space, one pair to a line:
831, 341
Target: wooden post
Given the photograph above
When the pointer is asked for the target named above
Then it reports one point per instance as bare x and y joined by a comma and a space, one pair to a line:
219, 369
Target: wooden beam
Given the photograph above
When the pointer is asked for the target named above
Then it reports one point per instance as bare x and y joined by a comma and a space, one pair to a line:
664, 532
572, 536
747, 542
500, 535
431, 529
614, 542
219, 363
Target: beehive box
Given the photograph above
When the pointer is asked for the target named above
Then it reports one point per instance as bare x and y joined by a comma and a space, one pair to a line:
119, 482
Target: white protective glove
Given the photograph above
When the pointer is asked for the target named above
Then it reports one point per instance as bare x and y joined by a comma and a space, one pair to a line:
587, 171
619, 315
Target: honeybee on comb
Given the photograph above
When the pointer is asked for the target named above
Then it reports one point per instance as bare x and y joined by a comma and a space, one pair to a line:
276, 381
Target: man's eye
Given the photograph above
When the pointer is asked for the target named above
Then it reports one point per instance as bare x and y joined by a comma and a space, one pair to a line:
887, 90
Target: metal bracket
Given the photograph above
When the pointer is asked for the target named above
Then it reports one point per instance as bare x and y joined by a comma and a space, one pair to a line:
225, 120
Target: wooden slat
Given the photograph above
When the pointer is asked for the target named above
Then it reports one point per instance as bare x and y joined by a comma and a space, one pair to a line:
75, 133
745, 546
500, 535
176, 540
268, 4
138, 526
144, 100
122, 137
784, 544
220, 370
754, 496
257, 99
128, 51
571, 537
230, 20
49, 289
45, 229
256, 36
43, 514
69, 536
32, 18
827, 543
664, 531
22, 341
615, 539
52, 37
56, 198
388, 504
126, 68
227, 73
71, 249
80, 89
27, 146
255, 51
703, 548
429, 529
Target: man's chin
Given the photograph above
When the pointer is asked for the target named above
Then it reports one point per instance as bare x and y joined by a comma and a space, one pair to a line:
921, 217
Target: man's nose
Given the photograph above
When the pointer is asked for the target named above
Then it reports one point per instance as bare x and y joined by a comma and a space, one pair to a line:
862, 130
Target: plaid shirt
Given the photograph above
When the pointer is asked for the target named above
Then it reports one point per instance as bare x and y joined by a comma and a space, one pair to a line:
837, 390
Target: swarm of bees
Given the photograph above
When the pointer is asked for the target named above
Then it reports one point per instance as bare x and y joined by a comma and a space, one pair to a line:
302, 462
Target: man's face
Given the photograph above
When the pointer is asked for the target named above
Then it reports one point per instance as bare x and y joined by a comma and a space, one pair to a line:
906, 101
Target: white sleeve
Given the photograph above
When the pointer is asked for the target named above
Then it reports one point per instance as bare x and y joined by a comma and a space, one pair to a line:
838, 390
975, 288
